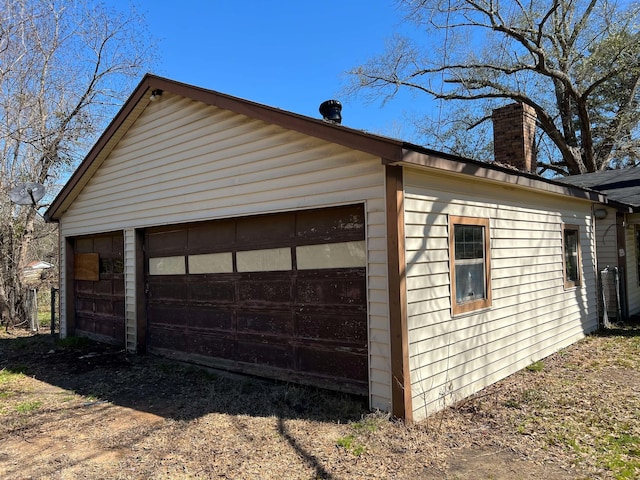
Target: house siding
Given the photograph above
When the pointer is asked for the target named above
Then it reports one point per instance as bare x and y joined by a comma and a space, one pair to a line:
532, 315
183, 161
131, 330
606, 238
607, 248
632, 275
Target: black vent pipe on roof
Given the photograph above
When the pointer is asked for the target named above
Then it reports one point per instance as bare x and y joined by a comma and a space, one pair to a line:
330, 111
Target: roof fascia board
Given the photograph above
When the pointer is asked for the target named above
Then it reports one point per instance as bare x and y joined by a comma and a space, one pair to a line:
135, 103
484, 171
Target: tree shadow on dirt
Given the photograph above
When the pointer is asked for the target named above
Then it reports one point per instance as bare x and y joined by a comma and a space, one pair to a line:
165, 387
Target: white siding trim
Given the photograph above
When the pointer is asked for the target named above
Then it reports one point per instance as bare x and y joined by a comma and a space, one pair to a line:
63, 282
131, 315
631, 270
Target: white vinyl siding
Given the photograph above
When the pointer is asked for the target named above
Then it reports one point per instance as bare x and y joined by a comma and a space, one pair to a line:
184, 161
606, 248
606, 240
531, 316
631, 270
131, 326
64, 255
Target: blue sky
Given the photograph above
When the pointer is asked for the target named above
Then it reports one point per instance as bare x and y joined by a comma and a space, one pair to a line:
288, 54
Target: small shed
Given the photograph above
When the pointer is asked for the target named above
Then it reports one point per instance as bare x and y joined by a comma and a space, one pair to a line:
235, 235
617, 239
34, 271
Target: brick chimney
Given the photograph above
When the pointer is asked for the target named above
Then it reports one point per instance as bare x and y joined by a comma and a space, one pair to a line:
514, 128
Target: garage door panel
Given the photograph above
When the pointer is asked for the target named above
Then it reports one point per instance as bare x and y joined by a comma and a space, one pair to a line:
109, 327
84, 305
334, 290
159, 243
211, 237
106, 327
82, 286
84, 322
104, 306
206, 318
168, 338
271, 322
118, 286
103, 286
212, 345
169, 315
334, 224
119, 308
212, 291
265, 290
103, 244
265, 353
266, 230
325, 324
334, 363
163, 288
83, 245
99, 299
282, 295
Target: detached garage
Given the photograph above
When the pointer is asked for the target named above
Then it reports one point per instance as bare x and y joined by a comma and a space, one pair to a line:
231, 234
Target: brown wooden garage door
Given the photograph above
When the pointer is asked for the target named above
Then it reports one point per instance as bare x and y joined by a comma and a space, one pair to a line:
99, 287
282, 295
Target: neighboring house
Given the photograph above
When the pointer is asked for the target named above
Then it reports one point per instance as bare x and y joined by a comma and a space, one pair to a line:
34, 271
617, 237
231, 234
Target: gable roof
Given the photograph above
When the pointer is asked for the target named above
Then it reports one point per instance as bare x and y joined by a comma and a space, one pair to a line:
621, 185
391, 151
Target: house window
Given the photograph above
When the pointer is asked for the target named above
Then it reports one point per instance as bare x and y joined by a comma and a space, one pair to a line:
571, 247
470, 265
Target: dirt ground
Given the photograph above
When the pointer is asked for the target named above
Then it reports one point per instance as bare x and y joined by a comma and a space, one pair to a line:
92, 411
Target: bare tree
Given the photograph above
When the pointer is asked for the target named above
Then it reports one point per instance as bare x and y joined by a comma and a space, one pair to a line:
64, 67
576, 62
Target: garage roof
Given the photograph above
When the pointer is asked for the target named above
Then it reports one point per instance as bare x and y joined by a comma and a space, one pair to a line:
391, 151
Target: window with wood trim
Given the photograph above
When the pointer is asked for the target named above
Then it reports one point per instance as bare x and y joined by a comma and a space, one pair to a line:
571, 251
469, 254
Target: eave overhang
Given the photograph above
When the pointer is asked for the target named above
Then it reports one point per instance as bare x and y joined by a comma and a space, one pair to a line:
418, 157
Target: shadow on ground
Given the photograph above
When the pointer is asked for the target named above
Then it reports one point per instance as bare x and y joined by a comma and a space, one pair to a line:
165, 387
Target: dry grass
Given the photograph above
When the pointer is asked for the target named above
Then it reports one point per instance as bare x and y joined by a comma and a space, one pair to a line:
89, 411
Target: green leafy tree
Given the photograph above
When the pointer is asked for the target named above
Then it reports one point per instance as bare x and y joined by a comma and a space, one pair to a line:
576, 62
65, 66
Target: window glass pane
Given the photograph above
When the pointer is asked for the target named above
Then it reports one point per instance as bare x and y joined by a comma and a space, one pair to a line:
272, 259
470, 284
571, 254
167, 266
469, 242
211, 263
331, 255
